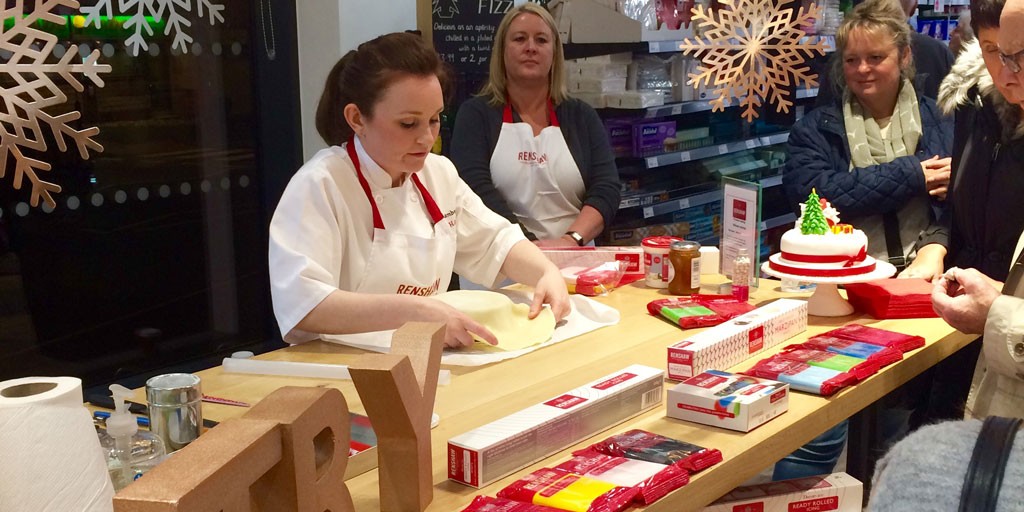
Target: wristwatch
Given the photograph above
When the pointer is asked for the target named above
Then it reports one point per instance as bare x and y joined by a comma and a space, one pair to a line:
577, 237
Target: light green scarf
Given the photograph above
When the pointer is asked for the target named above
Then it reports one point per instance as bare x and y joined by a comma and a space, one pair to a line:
867, 146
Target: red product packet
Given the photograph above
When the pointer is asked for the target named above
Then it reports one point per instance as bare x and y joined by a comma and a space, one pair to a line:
699, 310
802, 376
568, 491
884, 356
488, 504
875, 336
653, 480
642, 445
860, 368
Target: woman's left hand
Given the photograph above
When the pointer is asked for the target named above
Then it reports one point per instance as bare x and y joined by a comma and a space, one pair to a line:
550, 289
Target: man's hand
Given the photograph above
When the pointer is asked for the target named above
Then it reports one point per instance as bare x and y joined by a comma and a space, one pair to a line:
963, 297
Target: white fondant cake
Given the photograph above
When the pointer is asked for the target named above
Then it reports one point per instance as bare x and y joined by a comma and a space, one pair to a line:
825, 255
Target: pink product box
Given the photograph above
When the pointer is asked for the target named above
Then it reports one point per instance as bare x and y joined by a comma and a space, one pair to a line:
733, 342
620, 137
837, 492
726, 400
649, 137
492, 451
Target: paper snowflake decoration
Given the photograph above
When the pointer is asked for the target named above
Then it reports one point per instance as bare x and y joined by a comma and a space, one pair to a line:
28, 90
156, 10
749, 51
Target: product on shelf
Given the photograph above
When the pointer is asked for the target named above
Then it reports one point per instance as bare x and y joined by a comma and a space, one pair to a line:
491, 451
837, 492
819, 246
651, 479
875, 336
567, 491
699, 310
726, 400
642, 445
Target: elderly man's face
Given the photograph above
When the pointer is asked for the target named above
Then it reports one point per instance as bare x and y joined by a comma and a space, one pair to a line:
1011, 41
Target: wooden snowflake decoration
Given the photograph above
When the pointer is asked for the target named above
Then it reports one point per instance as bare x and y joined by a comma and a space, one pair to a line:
749, 51
28, 91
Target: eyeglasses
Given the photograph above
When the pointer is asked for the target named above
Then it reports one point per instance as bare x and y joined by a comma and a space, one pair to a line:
1011, 61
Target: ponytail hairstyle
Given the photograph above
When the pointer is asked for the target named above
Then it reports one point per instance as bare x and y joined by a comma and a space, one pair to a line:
363, 74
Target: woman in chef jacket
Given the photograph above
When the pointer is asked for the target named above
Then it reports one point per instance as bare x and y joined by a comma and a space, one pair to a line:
371, 226
532, 153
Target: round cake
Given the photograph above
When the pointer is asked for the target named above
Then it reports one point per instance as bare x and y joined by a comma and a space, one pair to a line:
819, 246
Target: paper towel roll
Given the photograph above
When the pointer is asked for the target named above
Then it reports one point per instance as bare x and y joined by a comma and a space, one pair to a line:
50, 457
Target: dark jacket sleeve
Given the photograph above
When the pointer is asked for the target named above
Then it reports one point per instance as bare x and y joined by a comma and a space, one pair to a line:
821, 162
473, 140
947, 131
602, 179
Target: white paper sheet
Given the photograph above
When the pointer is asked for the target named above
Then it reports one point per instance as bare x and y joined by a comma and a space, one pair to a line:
587, 315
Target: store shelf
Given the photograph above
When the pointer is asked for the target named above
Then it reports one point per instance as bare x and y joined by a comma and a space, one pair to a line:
771, 181
689, 107
679, 157
775, 222
674, 46
681, 203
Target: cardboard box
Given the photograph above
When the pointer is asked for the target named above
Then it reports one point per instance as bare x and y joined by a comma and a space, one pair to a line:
649, 137
496, 449
837, 492
597, 85
726, 400
620, 136
733, 342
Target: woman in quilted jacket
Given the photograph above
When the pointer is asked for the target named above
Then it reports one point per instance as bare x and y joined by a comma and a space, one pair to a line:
880, 152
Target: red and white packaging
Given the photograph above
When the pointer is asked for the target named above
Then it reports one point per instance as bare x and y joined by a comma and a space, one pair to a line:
652, 480
726, 400
489, 504
738, 339
633, 258
837, 492
569, 491
875, 336
494, 450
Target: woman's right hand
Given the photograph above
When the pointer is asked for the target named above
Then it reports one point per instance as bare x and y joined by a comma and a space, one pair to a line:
936, 175
460, 328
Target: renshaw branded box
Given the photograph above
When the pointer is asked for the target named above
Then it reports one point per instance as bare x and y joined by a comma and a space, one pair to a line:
727, 400
732, 342
496, 449
837, 492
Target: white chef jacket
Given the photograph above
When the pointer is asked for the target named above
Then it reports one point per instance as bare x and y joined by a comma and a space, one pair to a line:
322, 230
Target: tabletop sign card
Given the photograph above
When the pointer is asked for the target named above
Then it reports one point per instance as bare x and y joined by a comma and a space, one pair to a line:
741, 218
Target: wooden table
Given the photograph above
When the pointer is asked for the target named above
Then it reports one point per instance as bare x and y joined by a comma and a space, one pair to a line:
478, 395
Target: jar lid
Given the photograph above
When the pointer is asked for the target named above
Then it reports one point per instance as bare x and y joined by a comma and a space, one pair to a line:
660, 242
686, 245
173, 389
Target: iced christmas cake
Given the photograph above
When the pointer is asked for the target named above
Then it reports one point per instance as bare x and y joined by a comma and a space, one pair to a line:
819, 246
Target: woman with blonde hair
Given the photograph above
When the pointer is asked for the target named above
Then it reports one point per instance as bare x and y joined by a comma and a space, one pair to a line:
532, 153
880, 154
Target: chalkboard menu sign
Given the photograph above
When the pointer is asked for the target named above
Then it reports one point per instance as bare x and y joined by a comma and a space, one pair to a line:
463, 33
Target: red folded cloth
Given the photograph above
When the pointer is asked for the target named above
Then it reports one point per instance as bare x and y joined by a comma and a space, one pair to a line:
893, 298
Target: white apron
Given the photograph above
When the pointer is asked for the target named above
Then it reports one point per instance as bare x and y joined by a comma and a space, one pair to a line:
537, 176
407, 264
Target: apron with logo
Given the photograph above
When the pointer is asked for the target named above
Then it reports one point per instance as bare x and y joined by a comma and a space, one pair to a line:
407, 264
537, 176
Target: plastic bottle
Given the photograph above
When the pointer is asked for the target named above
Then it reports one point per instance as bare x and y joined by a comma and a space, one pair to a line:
741, 276
130, 453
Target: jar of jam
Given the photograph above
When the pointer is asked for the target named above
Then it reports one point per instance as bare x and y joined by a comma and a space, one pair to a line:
685, 258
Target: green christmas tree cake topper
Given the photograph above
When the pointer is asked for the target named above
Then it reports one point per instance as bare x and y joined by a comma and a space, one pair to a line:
814, 222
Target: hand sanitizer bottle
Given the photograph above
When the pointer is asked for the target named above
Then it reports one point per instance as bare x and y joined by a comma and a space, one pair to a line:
130, 453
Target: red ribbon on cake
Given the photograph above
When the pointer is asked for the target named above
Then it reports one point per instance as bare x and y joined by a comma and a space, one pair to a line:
847, 261
821, 272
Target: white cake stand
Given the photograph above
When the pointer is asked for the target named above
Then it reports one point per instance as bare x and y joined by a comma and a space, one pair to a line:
826, 300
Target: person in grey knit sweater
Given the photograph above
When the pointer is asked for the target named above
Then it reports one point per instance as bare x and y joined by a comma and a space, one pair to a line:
925, 471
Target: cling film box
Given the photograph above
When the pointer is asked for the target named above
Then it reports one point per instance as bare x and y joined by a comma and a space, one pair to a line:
726, 400
838, 492
492, 451
732, 342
